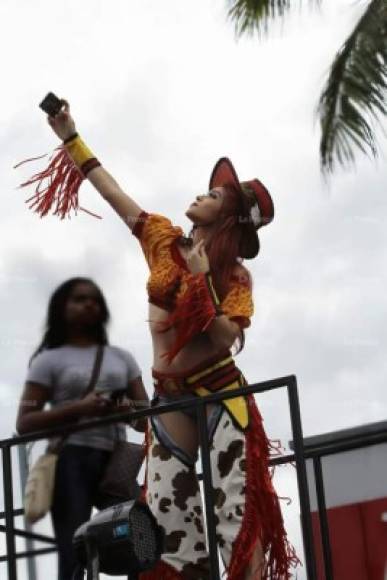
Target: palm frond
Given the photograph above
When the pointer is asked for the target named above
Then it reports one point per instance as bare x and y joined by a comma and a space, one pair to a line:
354, 97
250, 16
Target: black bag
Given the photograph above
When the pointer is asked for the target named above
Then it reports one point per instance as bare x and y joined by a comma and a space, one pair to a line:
120, 477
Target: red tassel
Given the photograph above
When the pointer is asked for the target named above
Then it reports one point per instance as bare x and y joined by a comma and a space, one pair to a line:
276, 449
262, 518
162, 571
193, 313
58, 184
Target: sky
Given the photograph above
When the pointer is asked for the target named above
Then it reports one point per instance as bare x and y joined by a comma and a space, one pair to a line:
160, 91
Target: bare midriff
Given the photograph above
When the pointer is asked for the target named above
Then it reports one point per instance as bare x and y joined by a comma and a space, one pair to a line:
198, 350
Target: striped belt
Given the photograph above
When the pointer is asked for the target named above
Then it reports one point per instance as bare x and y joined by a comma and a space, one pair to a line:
220, 376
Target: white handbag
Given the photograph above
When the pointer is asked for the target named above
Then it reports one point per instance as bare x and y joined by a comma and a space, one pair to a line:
39, 489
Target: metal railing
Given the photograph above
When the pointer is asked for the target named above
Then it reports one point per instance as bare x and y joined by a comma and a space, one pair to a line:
316, 452
200, 403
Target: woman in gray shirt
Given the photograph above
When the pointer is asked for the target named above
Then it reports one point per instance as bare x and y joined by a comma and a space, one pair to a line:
58, 374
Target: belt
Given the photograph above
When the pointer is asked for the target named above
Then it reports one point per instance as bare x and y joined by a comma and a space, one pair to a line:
221, 376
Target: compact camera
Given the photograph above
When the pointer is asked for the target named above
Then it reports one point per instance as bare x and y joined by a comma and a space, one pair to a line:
113, 396
51, 104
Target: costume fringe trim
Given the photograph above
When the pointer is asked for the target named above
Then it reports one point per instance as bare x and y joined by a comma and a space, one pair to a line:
193, 313
262, 518
57, 185
162, 571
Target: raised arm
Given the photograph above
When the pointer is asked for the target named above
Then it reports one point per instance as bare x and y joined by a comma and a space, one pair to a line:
63, 126
122, 204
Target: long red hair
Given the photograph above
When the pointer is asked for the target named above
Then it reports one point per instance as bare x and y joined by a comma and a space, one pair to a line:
223, 247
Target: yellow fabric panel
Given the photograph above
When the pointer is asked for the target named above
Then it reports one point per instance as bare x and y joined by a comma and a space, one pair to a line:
238, 302
156, 237
237, 407
79, 151
193, 378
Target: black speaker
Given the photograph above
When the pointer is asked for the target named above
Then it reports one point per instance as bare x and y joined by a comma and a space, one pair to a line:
123, 539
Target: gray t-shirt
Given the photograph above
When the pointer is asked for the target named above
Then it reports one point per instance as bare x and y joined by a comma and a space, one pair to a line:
66, 371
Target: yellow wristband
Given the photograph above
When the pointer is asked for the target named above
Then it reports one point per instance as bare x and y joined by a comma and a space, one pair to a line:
83, 158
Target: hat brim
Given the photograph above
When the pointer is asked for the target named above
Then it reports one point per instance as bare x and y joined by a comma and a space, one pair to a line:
225, 174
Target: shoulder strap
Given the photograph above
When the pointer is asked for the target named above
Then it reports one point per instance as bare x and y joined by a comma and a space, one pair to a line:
55, 445
96, 370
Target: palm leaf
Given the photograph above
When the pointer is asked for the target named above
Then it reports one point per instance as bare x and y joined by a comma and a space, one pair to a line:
251, 16
354, 97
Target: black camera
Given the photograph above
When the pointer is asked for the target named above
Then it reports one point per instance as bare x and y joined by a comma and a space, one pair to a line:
113, 396
51, 104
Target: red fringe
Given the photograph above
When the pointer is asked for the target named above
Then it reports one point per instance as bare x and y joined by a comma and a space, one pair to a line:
193, 313
58, 184
263, 518
162, 571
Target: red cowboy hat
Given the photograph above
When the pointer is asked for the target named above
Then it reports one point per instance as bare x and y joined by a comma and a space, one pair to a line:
257, 204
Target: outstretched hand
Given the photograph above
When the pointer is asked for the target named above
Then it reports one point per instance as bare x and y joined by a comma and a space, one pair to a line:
62, 123
197, 259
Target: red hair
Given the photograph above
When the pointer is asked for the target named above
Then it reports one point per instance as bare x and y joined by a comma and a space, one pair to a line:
223, 246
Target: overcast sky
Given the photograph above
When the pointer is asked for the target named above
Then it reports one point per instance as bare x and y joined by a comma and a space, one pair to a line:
160, 91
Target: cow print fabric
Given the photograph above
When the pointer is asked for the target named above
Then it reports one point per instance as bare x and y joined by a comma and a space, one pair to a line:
173, 495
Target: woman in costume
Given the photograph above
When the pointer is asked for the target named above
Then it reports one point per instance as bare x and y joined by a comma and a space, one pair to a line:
200, 303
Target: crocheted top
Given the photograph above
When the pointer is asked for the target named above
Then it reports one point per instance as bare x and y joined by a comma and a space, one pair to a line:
169, 276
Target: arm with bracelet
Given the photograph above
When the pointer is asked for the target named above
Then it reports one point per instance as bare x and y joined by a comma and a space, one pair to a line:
58, 185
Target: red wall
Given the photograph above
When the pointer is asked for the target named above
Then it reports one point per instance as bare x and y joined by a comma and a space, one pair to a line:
358, 541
